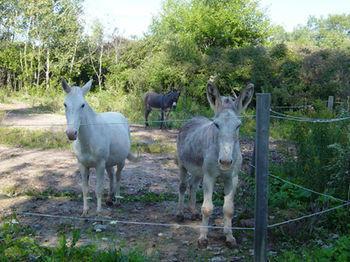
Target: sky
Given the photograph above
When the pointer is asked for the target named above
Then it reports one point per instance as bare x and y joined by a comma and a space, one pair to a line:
133, 17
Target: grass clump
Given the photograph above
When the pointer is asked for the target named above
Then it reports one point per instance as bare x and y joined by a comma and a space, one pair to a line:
18, 243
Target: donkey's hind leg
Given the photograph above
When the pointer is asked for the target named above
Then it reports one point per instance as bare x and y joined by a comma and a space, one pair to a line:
147, 111
120, 167
182, 189
194, 182
112, 186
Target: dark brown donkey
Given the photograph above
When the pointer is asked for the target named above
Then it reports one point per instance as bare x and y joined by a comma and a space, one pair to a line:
163, 102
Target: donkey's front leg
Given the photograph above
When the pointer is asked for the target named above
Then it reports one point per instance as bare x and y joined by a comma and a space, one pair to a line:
84, 171
207, 208
100, 171
229, 190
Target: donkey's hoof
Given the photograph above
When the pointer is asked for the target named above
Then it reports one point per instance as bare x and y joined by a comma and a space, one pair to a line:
202, 243
109, 202
180, 217
195, 216
231, 242
117, 203
85, 212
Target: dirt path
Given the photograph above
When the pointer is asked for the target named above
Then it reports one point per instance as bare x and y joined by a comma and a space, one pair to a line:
24, 116
51, 185
47, 181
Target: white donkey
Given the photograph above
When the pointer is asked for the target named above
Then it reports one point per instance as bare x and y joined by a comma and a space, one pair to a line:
207, 149
102, 140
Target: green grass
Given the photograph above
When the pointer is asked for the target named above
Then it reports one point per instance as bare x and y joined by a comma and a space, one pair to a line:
20, 137
157, 147
18, 243
41, 139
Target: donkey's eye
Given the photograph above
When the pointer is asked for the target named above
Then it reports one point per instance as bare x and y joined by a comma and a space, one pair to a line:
238, 127
83, 105
216, 124
65, 105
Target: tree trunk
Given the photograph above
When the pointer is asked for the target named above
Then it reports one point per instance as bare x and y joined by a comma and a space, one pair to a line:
38, 69
47, 68
73, 58
100, 69
25, 50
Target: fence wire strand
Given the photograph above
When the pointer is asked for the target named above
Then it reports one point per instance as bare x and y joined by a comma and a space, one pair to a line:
279, 115
309, 215
307, 189
116, 221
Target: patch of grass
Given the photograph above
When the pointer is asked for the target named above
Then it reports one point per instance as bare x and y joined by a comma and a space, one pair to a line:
153, 148
2, 115
13, 191
42, 139
150, 197
17, 243
26, 138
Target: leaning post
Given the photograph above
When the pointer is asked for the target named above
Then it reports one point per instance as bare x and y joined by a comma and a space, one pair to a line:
330, 103
261, 178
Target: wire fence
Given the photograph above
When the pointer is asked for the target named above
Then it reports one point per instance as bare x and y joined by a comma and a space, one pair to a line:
279, 115
138, 123
274, 114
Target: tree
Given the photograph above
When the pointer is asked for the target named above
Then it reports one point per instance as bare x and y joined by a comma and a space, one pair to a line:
213, 23
96, 48
326, 32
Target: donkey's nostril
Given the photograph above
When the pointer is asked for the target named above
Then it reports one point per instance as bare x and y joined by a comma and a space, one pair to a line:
71, 134
226, 162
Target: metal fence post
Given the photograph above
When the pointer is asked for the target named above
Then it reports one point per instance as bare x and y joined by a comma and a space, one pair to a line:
330, 103
262, 169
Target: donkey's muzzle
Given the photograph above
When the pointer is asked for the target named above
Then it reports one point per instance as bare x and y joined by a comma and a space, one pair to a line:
72, 134
174, 105
225, 164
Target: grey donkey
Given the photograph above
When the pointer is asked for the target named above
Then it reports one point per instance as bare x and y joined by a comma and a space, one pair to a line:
208, 149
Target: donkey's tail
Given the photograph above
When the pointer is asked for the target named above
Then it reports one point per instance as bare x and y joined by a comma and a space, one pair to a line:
132, 158
145, 98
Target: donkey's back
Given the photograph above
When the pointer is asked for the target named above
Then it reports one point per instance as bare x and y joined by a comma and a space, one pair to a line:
153, 99
194, 140
116, 129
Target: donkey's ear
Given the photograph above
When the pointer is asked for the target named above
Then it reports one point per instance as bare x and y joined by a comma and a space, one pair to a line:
213, 95
86, 87
65, 86
244, 98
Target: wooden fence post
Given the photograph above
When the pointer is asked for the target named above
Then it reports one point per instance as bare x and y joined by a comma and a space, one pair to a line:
261, 178
252, 165
330, 103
